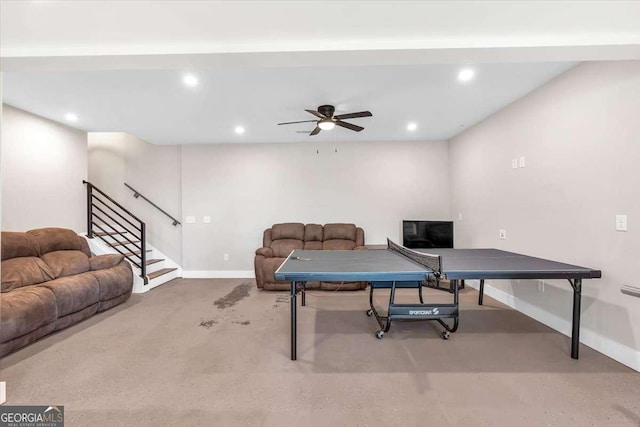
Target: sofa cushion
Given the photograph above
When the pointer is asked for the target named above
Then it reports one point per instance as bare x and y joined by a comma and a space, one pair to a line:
16, 245
101, 262
25, 310
72, 318
74, 293
58, 239
338, 244
313, 245
115, 281
340, 231
290, 230
24, 271
66, 263
313, 233
283, 247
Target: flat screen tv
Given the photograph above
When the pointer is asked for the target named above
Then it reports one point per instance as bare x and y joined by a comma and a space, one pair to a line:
427, 234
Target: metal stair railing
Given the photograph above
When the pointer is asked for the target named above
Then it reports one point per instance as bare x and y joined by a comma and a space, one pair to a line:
137, 194
99, 207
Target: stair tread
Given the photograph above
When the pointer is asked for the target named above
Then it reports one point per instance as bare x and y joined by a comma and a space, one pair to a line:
125, 243
109, 233
160, 272
135, 253
153, 261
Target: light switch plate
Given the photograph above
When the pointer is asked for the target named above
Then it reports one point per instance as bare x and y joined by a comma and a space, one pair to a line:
514, 163
502, 234
621, 223
521, 162
190, 220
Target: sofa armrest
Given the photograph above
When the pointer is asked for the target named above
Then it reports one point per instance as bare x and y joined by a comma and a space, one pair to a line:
102, 262
360, 248
265, 252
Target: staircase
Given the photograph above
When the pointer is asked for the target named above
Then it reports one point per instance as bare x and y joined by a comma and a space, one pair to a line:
159, 268
112, 229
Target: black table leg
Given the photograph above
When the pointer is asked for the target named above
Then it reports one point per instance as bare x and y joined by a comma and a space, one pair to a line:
304, 294
575, 327
293, 321
481, 292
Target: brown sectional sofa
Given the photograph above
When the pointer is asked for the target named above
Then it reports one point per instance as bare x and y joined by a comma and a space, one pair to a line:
51, 281
279, 240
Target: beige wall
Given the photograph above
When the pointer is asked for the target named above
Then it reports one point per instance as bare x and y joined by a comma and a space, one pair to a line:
246, 188
116, 158
43, 164
580, 135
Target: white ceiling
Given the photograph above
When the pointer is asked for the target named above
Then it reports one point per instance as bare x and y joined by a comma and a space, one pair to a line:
118, 65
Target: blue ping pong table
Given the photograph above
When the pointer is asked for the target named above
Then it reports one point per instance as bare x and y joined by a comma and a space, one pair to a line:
398, 266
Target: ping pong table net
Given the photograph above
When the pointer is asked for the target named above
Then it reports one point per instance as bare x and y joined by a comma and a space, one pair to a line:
429, 261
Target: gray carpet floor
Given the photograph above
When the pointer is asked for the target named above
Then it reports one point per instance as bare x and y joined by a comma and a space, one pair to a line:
216, 353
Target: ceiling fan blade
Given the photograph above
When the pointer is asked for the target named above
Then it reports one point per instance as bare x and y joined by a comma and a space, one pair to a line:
353, 115
303, 121
349, 126
315, 131
315, 113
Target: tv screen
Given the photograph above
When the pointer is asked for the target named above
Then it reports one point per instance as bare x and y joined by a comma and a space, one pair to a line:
427, 234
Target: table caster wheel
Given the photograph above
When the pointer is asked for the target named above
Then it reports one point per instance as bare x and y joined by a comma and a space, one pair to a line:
379, 334
445, 335
369, 312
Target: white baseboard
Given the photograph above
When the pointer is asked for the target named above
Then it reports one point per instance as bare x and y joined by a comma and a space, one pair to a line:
218, 274
613, 349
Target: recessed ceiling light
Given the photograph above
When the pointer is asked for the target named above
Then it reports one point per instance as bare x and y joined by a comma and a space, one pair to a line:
466, 74
239, 130
72, 117
190, 80
412, 126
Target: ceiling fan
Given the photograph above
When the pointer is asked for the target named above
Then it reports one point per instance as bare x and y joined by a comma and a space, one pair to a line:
328, 121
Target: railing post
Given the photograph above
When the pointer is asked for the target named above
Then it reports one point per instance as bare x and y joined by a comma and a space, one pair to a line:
89, 210
143, 255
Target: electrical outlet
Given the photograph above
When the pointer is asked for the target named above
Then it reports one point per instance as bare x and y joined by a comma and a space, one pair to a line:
206, 220
514, 163
502, 234
226, 257
540, 285
621, 223
460, 217
521, 162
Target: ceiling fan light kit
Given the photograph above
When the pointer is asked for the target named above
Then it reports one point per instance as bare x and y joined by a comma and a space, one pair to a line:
326, 124
327, 121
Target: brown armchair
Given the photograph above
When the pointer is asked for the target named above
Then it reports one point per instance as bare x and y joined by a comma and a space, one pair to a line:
279, 240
